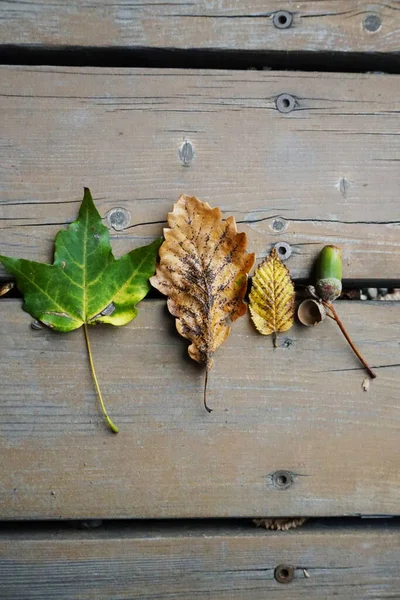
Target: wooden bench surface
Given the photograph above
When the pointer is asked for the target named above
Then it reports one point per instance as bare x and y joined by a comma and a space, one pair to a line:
292, 432
317, 25
223, 563
328, 172
299, 408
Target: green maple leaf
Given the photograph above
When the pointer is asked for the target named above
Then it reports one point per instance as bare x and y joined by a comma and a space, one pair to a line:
85, 285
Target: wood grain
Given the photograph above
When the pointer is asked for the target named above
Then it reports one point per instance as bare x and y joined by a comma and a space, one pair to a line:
328, 172
318, 25
299, 408
357, 562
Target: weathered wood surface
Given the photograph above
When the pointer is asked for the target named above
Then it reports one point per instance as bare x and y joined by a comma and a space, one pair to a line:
299, 408
353, 563
318, 25
328, 172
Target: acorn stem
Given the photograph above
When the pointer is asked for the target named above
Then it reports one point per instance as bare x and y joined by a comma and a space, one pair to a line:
370, 372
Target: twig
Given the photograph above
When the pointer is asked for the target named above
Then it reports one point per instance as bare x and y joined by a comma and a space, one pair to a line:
370, 372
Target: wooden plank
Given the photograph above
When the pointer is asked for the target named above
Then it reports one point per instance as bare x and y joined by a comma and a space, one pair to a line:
328, 172
299, 408
354, 562
318, 25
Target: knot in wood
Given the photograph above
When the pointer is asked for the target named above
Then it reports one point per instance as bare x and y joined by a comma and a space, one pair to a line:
186, 153
118, 218
372, 23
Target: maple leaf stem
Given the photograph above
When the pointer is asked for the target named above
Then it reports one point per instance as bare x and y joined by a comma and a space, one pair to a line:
328, 305
113, 427
205, 392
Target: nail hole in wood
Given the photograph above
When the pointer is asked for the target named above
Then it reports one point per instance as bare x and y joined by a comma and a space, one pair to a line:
282, 479
282, 19
285, 103
284, 250
284, 573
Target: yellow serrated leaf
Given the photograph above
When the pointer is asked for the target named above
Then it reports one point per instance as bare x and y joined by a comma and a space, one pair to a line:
272, 297
203, 271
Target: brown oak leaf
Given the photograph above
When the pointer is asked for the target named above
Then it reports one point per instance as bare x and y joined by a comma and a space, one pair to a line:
203, 270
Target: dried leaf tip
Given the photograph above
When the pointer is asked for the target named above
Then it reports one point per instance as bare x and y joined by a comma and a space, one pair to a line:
203, 271
272, 297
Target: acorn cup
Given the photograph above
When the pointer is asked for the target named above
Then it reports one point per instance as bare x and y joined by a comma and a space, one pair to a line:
329, 273
311, 312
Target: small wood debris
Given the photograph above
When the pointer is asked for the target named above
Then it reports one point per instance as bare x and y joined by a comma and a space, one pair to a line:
280, 524
394, 296
6, 288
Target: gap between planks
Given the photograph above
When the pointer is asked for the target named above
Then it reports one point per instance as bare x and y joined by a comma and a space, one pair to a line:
166, 58
359, 561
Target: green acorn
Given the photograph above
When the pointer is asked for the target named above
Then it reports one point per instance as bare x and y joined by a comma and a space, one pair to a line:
329, 273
